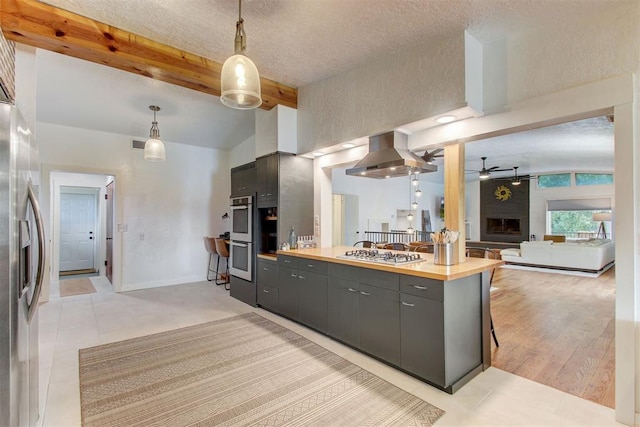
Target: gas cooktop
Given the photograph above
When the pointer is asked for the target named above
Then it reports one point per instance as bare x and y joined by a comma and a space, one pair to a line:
382, 257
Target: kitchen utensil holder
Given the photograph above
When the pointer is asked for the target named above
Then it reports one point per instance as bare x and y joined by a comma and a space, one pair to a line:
445, 254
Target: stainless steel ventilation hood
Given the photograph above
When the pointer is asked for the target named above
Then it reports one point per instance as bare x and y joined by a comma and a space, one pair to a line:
390, 157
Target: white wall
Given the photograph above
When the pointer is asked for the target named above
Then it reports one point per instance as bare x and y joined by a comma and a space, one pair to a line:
276, 130
166, 207
472, 209
244, 152
382, 94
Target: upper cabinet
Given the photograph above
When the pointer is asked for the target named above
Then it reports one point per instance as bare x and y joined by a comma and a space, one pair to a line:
243, 180
267, 180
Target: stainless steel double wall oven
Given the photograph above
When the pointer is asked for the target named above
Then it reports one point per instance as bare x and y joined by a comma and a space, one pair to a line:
241, 246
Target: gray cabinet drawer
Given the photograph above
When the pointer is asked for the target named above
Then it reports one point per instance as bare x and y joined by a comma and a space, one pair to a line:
268, 297
381, 279
422, 287
267, 273
313, 266
288, 261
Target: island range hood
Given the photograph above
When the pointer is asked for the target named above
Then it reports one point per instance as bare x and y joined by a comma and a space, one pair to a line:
390, 157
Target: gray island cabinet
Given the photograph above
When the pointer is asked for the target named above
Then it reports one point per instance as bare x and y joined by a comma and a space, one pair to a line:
429, 321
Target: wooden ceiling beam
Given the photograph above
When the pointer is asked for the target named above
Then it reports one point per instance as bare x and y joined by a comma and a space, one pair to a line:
46, 27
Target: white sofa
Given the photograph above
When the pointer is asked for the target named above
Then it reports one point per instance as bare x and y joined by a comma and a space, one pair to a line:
590, 255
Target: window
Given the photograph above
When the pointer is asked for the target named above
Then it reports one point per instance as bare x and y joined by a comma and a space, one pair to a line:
574, 218
555, 180
573, 224
594, 178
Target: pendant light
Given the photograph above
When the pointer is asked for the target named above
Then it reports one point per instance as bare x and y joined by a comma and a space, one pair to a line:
154, 148
239, 79
410, 229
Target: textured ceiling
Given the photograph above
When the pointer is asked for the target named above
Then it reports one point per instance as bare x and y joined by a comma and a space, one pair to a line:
295, 42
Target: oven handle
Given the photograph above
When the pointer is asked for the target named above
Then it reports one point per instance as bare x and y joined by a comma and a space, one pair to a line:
239, 207
242, 245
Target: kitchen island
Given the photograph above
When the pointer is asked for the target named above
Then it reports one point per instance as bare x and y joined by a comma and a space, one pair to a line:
428, 320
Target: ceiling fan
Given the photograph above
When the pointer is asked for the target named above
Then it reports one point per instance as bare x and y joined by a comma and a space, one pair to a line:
429, 157
485, 172
517, 179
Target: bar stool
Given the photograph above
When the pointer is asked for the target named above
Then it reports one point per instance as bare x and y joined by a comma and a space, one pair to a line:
485, 253
223, 252
210, 246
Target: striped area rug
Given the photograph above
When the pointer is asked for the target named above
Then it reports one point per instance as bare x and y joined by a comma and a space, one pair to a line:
244, 370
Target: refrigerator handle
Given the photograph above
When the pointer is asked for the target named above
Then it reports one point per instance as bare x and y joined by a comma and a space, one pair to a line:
40, 273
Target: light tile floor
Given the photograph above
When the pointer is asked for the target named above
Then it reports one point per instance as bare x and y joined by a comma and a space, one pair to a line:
493, 398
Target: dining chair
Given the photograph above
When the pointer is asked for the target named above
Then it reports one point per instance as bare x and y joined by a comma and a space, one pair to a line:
426, 248
475, 252
397, 246
365, 244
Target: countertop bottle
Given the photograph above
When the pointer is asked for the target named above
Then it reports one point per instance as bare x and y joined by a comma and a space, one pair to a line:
293, 240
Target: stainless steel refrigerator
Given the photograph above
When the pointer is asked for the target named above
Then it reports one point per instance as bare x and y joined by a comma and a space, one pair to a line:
21, 270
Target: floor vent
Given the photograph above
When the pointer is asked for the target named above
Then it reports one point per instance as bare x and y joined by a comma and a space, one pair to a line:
136, 144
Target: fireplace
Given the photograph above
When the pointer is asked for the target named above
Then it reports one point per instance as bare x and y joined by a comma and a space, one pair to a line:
505, 221
503, 226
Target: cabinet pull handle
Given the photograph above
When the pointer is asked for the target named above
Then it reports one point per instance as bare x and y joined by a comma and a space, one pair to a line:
408, 304
301, 277
265, 291
365, 293
352, 290
287, 261
294, 275
310, 265
422, 288
268, 194
265, 268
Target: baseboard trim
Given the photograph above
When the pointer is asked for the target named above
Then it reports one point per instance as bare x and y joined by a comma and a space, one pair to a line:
559, 270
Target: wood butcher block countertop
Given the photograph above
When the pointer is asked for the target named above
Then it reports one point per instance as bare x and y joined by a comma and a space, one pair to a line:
426, 268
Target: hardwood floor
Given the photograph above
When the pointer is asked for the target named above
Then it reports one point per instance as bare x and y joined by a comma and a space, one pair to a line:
557, 330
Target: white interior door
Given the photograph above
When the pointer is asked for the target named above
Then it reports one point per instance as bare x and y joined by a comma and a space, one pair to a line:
77, 231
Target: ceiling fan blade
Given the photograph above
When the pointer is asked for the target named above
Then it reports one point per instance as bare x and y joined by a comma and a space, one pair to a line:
429, 156
495, 168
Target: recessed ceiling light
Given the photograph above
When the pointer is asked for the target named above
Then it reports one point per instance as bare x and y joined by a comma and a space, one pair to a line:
318, 153
348, 145
447, 118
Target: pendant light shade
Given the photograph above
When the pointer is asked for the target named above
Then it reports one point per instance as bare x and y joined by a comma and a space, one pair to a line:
154, 148
239, 79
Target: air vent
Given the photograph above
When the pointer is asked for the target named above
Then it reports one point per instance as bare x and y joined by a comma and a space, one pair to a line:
136, 144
